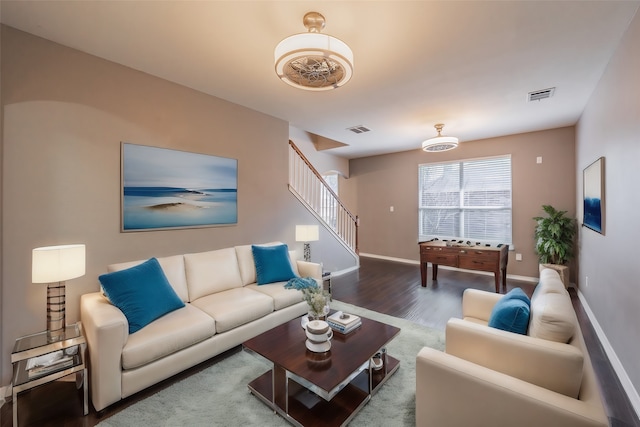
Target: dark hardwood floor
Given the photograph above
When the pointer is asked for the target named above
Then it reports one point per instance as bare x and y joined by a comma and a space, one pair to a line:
384, 286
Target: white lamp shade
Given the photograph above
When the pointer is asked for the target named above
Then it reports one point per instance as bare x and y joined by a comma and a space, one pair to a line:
307, 233
57, 263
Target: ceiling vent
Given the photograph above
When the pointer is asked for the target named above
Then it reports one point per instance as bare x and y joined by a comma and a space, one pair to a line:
359, 129
539, 95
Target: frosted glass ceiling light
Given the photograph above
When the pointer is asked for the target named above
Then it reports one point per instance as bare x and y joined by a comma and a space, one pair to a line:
440, 143
314, 61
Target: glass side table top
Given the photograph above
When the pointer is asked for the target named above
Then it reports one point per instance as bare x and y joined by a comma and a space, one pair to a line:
38, 344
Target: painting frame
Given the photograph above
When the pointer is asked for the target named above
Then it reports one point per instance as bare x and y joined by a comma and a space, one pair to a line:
167, 189
593, 212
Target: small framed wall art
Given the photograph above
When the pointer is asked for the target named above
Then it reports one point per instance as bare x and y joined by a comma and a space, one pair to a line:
164, 189
593, 196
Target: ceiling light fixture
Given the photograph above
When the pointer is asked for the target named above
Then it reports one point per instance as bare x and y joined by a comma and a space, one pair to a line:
314, 61
440, 143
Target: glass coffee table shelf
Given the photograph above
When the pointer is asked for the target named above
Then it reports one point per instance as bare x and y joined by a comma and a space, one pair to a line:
36, 361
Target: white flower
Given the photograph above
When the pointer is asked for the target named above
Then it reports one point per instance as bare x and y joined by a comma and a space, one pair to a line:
317, 300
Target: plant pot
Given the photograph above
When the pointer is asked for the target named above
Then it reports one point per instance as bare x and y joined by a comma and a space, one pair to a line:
319, 316
563, 271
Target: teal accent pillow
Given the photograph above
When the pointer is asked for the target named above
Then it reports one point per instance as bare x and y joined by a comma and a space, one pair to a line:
272, 264
142, 293
517, 293
511, 312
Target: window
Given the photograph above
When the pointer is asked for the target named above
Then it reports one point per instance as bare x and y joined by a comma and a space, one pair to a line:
332, 181
466, 200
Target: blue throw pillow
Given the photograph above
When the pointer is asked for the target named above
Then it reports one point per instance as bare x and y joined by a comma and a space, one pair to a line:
511, 312
272, 264
517, 293
142, 293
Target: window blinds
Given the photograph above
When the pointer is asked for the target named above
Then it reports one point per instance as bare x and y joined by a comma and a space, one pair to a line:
466, 200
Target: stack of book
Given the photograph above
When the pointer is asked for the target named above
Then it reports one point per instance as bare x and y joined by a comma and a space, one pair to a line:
48, 363
343, 322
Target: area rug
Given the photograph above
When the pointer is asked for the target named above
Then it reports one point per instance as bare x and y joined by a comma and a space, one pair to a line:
218, 395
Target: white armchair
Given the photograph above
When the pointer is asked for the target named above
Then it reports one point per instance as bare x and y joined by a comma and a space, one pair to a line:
490, 377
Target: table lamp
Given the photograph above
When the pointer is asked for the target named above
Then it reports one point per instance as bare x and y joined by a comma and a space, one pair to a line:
54, 265
306, 234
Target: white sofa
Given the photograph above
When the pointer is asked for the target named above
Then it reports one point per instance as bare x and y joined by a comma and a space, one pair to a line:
223, 308
491, 377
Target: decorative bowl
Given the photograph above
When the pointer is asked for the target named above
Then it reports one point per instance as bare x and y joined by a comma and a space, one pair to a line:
318, 347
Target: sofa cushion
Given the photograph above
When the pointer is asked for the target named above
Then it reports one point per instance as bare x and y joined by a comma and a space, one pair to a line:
511, 312
550, 282
552, 317
246, 264
173, 268
235, 307
281, 297
272, 264
169, 334
211, 272
293, 257
142, 293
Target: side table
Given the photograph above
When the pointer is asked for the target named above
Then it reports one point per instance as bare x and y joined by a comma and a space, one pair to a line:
65, 357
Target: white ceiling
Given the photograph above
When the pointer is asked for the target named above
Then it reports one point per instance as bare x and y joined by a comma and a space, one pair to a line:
468, 64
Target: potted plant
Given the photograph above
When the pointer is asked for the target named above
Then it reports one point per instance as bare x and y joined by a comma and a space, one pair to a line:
554, 236
314, 295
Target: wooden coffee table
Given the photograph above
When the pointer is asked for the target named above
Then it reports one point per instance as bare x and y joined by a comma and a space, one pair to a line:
321, 389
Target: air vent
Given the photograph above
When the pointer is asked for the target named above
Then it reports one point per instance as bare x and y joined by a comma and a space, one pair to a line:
539, 95
359, 129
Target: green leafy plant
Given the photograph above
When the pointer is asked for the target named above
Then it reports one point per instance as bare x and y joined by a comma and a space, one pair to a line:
314, 295
554, 236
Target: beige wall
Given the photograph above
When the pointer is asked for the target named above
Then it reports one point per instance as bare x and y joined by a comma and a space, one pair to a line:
392, 180
321, 160
65, 114
610, 128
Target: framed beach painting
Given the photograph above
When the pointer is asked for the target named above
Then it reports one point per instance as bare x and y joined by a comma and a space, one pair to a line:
164, 189
593, 188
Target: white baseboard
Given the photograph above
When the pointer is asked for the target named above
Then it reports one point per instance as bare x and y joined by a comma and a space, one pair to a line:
444, 267
388, 258
345, 271
632, 393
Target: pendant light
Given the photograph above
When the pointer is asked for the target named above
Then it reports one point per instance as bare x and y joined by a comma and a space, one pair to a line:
440, 143
314, 61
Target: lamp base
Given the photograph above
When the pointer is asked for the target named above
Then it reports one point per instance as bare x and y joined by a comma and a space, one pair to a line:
55, 311
307, 252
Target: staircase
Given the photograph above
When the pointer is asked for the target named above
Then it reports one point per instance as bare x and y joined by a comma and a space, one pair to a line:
306, 183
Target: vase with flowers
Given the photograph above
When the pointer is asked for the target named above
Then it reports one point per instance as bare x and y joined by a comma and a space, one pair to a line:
316, 297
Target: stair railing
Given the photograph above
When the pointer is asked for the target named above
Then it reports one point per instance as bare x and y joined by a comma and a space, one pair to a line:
309, 186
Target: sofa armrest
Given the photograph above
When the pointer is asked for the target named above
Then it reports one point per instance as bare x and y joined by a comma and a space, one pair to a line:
309, 269
552, 365
106, 330
451, 391
478, 304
